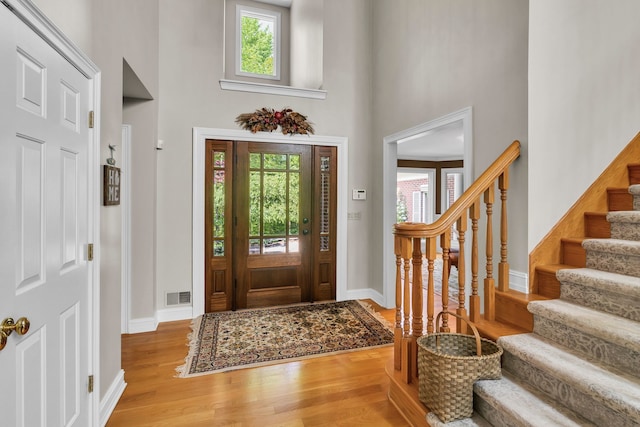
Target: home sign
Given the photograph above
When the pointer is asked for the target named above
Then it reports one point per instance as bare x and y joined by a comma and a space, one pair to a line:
111, 186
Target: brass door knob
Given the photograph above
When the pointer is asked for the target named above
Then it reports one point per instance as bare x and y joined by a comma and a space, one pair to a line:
8, 326
21, 326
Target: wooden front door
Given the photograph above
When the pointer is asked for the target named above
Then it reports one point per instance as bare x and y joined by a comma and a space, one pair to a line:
270, 224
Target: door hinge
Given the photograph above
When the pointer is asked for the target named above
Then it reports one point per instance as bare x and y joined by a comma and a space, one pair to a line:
90, 252
90, 384
91, 119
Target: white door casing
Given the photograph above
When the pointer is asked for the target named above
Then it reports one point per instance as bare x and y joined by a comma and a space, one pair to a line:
389, 173
48, 216
125, 206
200, 135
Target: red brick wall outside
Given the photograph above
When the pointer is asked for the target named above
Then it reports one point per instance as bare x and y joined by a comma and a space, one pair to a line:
407, 188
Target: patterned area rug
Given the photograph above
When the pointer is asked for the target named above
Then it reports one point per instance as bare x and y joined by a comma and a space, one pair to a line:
248, 338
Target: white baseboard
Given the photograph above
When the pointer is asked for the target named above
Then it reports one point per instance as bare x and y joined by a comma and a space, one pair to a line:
175, 313
145, 324
366, 294
519, 281
111, 397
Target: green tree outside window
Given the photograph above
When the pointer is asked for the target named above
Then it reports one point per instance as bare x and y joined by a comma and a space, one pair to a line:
257, 46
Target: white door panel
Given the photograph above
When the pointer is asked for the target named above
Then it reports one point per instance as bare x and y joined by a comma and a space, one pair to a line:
44, 189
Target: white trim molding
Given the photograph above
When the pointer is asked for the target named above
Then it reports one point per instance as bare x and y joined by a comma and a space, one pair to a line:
125, 206
175, 313
366, 293
143, 324
111, 398
519, 281
269, 89
200, 135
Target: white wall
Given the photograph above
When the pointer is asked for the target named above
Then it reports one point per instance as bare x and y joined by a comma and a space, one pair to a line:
190, 67
73, 18
129, 30
307, 43
584, 92
434, 57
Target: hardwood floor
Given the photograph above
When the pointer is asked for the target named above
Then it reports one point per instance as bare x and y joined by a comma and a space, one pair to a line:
342, 390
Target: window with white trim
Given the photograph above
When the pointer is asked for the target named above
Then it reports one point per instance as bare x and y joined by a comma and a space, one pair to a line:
258, 42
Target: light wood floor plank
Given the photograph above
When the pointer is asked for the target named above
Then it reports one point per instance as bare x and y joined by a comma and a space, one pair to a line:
348, 389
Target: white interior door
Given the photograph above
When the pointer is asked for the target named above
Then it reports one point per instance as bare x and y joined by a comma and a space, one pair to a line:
44, 223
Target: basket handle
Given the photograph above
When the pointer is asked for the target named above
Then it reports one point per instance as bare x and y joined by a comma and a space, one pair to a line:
471, 325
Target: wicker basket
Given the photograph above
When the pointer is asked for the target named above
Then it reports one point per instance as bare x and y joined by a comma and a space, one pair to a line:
449, 364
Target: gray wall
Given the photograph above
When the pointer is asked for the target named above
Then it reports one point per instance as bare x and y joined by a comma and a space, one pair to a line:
434, 57
191, 40
584, 88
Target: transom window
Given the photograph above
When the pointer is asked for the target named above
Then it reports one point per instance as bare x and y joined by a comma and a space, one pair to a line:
257, 42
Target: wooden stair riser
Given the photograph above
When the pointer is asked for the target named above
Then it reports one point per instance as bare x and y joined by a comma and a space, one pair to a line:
619, 199
548, 284
573, 253
596, 225
634, 173
513, 310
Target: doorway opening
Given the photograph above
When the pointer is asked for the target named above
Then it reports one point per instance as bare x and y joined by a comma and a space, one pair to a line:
419, 147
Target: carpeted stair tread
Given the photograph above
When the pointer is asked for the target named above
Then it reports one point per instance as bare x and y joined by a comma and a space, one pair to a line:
475, 421
604, 280
608, 327
635, 192
618, 392
520, 405
615, 246
602, 290
624, 216
624, 225
615, 255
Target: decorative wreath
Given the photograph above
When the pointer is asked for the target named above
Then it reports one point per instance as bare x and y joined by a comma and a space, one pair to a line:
268, 120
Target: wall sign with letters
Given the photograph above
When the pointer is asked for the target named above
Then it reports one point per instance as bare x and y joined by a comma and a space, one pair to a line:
111, 186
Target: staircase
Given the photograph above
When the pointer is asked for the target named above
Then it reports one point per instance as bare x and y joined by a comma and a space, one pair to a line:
581, 364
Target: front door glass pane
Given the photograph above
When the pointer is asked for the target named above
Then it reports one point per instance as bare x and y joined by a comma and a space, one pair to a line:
274, 203
294, 206
255, 206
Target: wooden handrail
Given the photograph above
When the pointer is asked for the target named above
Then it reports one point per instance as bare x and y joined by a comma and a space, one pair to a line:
464, 202
411, 238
